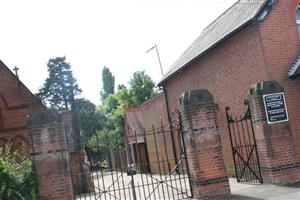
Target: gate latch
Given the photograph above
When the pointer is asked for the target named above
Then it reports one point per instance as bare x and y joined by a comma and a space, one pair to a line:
131, 170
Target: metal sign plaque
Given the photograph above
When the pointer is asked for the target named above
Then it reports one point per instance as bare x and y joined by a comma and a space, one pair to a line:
275, 108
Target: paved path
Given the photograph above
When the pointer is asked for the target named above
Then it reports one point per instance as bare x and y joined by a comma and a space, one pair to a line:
242, 191
118, 186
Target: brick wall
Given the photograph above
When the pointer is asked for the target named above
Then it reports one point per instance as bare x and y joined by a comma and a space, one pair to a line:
280, 42
155, 112
261, 51
278, 159
227, 72
50, 156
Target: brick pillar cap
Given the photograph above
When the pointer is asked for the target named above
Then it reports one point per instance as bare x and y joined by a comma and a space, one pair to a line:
43, 117
265, 87
195, 97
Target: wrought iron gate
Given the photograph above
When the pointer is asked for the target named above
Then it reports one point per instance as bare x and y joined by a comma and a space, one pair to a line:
244, 148
147, 167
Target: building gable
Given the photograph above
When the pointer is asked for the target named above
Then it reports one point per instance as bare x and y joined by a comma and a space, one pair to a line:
13, 92
16, 103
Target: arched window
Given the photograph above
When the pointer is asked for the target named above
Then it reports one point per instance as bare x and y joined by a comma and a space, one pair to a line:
298, 18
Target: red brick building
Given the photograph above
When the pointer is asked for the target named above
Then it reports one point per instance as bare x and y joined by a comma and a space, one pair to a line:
16, 103
251, 42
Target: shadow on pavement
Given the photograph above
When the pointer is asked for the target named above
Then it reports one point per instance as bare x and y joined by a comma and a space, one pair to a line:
293, 185
241, 197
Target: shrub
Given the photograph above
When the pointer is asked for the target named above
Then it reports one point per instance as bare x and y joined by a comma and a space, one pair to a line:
17, 177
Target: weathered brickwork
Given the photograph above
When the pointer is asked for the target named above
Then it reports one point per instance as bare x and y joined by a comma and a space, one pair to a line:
16, 103
278, 158
50, 156
208, 175
81, 174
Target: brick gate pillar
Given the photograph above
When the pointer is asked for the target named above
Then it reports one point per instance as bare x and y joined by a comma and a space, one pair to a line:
278, 158
208, 175
50, 156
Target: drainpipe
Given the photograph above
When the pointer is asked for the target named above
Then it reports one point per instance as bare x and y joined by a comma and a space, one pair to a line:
170, 122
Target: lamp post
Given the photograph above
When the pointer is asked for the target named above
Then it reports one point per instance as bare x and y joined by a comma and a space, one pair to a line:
155, 47
167, 108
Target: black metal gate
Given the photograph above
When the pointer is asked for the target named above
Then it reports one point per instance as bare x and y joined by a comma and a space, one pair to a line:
244, 148
146, 167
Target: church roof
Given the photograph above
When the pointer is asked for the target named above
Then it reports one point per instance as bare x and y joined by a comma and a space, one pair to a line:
232, 20
21, 83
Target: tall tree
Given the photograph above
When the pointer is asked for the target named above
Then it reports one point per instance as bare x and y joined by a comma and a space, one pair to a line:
89, 121
141, 87
60, 87
108, 81
112, 110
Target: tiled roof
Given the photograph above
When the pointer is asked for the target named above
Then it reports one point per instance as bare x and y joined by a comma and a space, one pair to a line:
293, 70
230, 21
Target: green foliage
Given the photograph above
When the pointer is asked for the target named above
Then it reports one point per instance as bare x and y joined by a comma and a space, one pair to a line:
17, 178
60, 87
112, 112
111, 103
102, 119
141, 87
89, 122
127, 98
108, 83
98, 143
105, 141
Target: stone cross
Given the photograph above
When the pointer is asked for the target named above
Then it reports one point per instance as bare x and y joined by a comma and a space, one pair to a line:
16, 71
